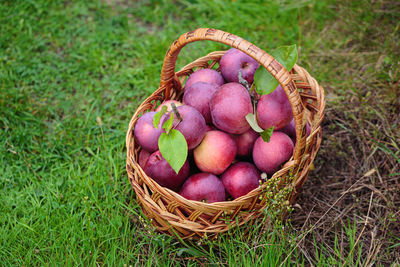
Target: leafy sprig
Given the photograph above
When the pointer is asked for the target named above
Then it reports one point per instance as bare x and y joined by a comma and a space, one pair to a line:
171, 143
265, 83
251, 117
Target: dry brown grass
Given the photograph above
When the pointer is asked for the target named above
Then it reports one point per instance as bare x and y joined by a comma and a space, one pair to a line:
357, 176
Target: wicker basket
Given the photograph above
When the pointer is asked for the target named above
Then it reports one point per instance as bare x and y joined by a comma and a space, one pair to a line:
172, 214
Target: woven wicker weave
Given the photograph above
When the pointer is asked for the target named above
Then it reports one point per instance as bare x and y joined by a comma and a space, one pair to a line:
168, 211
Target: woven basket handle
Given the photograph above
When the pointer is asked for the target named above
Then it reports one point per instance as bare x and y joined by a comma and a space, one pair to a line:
272, 65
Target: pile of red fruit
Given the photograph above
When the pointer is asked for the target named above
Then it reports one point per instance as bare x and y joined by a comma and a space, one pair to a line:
220, 140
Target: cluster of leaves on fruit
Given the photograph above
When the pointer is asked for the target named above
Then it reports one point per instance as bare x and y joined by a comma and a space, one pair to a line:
172, 143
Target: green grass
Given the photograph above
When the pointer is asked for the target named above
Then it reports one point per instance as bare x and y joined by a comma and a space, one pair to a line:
337, 256
71, 76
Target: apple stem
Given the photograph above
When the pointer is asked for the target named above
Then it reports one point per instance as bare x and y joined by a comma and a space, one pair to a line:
178, 115
243, 82
251, 90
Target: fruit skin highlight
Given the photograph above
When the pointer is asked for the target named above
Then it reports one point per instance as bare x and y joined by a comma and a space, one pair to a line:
215, 153
205, 75
268, 157
203, 187
229, 106
233, 61
274, 109
160, 171
241, 178
145, 133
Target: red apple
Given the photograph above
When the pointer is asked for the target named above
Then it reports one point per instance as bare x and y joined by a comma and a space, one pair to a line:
268, 157
245, 142
145, 133
160, 171
168, 104
215, 153
193, 167
198, 95
192, 126
290, 130
233, 61
274, 110
203, 187
210, 128
143, 157
229, 106
240, 178
205, 75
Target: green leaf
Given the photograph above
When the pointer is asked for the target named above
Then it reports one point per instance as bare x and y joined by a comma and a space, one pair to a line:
251, 119
157, 117
267, 133
286, 55
264, 82
173, 148
167, 126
